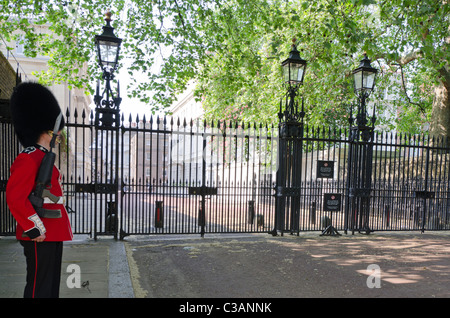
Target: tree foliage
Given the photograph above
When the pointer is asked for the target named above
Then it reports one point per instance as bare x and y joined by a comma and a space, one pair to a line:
233, 50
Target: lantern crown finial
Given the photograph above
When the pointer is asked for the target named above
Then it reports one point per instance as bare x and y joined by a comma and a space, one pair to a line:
108, 15
365, 62
294, 42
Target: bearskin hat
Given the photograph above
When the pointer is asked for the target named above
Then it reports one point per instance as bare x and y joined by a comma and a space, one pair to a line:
34, 110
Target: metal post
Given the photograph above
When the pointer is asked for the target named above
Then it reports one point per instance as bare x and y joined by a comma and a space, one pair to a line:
359, 171
159, 214
251, 211
107, 122
288, 179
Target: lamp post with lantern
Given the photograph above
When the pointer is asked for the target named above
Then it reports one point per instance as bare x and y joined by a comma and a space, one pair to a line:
108, 48
288, 177
360, 155
107, 120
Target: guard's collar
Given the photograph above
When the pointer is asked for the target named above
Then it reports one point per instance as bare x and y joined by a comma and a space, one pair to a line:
42, 148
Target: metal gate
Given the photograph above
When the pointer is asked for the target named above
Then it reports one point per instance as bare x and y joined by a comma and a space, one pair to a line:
168, 176
175, 176
183, 176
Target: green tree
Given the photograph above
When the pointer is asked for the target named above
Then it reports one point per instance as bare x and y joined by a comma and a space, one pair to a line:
233, 49
332, 35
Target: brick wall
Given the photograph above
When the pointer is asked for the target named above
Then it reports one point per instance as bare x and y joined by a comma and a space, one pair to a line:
7, 78
7, 84
9, 146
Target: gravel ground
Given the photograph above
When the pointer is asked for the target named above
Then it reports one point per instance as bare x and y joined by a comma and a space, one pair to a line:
382, 265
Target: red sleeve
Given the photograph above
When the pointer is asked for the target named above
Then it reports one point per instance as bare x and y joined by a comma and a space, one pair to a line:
20, 184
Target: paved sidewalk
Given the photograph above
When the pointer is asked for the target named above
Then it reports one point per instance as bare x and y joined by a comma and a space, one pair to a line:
102, 264
246, 266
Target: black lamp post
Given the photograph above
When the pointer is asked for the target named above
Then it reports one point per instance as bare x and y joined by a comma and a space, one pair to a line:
108, 47
107, 122
360, 151
288, 178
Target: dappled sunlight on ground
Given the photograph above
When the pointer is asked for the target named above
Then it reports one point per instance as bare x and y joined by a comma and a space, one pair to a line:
402, 259
308, 265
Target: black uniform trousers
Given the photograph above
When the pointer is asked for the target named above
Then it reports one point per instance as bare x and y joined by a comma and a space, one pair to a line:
43, 268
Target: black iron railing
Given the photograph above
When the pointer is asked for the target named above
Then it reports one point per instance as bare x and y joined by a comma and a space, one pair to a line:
178, 176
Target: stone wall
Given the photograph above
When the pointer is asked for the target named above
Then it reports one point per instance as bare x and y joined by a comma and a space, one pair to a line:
7, 84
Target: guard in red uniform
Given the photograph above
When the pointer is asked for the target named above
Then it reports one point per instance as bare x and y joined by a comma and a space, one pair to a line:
40, 231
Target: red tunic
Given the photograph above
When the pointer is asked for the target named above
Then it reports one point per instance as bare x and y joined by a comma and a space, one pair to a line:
20, 184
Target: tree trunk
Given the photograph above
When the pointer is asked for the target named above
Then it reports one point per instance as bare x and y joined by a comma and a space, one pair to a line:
440, 116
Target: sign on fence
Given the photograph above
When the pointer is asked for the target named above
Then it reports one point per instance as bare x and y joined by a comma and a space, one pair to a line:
332, 202
325, 169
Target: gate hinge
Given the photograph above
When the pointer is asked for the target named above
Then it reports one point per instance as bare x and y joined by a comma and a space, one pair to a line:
424, 194
203, 190
105, 188
3, 185
287, 191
